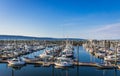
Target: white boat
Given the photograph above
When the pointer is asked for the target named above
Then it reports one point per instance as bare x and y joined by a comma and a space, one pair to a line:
68, 51
91, 50
100, 54
27, 59
106, 66
111, 58
118, 66
67, 54
46, 54
64, 62
15, 62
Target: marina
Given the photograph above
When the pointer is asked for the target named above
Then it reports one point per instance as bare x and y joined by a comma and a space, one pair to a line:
56, 58
59, 38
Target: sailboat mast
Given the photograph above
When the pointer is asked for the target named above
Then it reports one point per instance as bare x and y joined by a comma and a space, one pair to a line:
116, 53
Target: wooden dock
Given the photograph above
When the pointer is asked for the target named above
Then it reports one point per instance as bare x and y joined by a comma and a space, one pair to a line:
3, 61
47, 64
52, 63
86, 64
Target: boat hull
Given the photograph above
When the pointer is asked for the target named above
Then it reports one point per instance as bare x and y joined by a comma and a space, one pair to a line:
16, 63
63, 64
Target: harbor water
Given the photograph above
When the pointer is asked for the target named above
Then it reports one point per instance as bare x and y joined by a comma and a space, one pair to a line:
39, 70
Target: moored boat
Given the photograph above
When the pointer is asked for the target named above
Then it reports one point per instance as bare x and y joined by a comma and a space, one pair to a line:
61, 61
15, 62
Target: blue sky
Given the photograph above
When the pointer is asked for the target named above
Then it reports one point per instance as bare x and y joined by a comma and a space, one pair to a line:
93, 19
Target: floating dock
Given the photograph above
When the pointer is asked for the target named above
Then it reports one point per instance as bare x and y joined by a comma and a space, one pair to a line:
47, 64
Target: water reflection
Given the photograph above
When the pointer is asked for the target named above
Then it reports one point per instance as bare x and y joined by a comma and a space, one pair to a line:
68, 72
12, 72
37, 65
39, 70
115, 72
52, 70
16, 67
77, 71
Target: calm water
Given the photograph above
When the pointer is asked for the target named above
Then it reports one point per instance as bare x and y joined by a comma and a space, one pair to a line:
38, 70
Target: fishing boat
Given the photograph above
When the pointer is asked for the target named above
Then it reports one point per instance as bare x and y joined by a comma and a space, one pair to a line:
64, 62
15, 62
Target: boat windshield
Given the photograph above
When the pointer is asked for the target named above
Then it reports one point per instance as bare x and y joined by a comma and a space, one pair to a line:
15, 60
65, 60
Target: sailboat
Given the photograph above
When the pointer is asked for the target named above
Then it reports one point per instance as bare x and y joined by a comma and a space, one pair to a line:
68, 50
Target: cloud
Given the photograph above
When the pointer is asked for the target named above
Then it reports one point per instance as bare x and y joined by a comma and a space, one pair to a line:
111, 31
109, 27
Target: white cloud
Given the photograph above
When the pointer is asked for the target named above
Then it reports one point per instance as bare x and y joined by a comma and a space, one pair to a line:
111, 31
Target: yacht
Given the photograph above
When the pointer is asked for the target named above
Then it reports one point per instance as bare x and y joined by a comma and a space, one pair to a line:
46, 54
118, 66
64, 62
106, 65
100, 54
111, 58
68, 51
15, 62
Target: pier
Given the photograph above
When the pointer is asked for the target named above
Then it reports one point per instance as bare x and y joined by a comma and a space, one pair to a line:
47, 64
36, 46
52, 63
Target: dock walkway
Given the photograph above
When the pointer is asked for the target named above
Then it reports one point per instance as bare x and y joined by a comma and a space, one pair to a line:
46, 64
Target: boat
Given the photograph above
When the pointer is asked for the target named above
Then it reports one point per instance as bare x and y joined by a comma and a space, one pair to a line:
68, 51
106, 65
16, 62
111, 58
27, 59
100, 54
64, 68
64, 62
46, 54
118, 66
15, 67
91, 50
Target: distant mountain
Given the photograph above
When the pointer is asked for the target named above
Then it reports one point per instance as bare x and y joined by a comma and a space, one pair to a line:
15, 37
